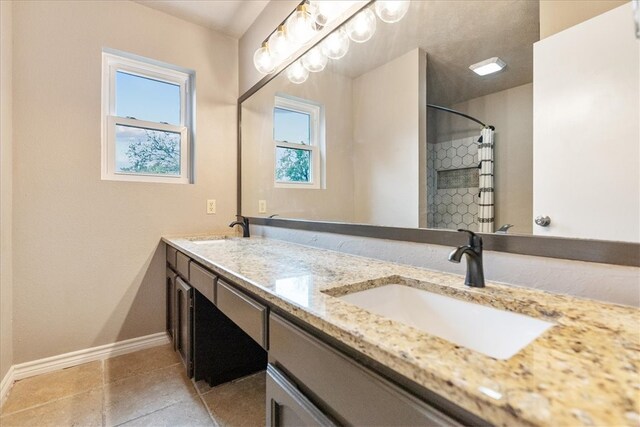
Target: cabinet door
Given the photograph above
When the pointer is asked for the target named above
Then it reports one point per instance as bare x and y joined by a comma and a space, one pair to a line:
287, 406
184, 327
350, 393
171, 305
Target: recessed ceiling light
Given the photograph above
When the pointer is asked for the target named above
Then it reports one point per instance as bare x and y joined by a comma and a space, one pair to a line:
488, 66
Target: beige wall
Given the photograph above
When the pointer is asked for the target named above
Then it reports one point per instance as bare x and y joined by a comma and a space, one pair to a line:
272, 15
88, 269
557, 15
511, 112
335, 201
587, 130
6, 141
389, 130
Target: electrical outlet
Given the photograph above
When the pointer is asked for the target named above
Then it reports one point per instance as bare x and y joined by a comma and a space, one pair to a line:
262, 206
211, 206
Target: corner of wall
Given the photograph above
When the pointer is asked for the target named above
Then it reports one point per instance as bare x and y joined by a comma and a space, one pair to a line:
6, 194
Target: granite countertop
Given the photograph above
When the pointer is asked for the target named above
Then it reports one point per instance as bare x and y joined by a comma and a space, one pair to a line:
585, 370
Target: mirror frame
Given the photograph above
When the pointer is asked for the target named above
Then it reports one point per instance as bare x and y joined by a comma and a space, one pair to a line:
577, 249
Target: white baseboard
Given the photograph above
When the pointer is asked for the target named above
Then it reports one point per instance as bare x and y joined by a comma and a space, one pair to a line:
54, 363
5, 385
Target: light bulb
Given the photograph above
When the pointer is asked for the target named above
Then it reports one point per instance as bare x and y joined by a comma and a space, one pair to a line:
296, 73
301, 26
325, 11
336, 45
391, 11
362, 26
314, 60
280, 46
263, 60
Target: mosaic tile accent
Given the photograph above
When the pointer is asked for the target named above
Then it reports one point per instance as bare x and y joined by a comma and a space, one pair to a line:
452, 184
458, 178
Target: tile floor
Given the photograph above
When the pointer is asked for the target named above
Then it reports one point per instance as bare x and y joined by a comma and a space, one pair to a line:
146, 388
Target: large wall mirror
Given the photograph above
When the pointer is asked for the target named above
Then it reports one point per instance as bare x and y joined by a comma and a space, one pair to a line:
405, 131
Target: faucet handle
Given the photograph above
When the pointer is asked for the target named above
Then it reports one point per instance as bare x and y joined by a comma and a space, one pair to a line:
474, 239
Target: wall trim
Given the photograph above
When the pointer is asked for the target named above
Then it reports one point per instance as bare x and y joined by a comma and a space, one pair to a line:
74, 358
5, 385
588, 250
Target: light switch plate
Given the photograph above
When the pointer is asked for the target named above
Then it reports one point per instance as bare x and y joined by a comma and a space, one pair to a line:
211, 206
262, 206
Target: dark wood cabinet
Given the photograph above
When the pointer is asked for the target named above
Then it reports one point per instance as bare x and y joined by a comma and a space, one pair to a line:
184, 327
289, 407
218, 339
344, 389
248, 314
171, 305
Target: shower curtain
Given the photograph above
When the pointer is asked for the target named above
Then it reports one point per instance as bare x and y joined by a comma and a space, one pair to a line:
485, 159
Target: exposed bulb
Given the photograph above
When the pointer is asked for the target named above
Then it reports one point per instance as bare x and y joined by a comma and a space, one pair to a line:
391, 11
279, 45
325, 11
263, 60
314, 60
336, 45
362, 26
301, 26
296, 73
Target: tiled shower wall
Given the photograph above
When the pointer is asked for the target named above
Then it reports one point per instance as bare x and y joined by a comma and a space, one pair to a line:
452, 184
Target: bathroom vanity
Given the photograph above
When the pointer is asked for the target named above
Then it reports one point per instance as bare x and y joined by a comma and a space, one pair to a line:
329, 361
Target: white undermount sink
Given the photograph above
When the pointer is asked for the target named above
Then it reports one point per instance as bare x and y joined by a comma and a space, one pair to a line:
496, 333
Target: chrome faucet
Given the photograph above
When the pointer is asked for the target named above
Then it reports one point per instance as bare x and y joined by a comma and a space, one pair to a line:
243, 222
504, 229
473, 250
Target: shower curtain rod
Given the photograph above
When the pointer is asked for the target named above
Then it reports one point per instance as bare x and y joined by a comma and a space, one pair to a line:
449, 110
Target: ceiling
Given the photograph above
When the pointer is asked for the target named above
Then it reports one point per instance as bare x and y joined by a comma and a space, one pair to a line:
231, 17
456, 34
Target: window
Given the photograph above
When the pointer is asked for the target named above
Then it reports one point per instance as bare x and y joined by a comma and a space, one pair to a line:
299, 146
147, 120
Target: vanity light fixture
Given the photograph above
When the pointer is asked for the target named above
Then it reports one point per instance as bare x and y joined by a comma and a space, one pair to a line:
315, 60
488, 66
262, 59
362, 26
303, 24
297, 73
336, 45
280, 45
325, 11
391, 11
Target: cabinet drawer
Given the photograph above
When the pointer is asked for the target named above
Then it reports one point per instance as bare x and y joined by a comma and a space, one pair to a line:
287, 406
243, 311
182, 265
353, 394
171, 256
203, 281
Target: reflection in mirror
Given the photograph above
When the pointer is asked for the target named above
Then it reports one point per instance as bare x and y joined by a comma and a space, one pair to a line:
458, 116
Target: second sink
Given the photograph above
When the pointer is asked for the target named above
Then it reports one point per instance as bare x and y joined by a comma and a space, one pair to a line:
495, 333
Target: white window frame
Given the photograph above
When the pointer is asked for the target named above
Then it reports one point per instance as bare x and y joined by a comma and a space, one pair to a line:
112, 62
316, 141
